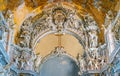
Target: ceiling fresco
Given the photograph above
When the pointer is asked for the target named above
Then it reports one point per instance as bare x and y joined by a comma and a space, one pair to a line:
97, 8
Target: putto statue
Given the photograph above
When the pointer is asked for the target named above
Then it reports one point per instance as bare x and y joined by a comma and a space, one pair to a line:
90, 64
93, 39
82, 63
37, 62
109, 18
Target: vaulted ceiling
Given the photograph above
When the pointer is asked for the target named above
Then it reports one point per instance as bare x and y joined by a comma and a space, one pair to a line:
97, 8
48, 43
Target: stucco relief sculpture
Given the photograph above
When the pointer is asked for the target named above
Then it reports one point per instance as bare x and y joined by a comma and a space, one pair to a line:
78, 19
37, 62
3, 27
95, 58
110, 38
116, 31
23, 58
92, 28
42, 24
93, 54
5, 70
30, 63
60, 50
1, 32
39, 27
109, 18
103, 61
82, 63
72, 20
49, 20
108, 30
96, 64
93, 39
69, 23
90, 64
10, 19
59, 19
24, 35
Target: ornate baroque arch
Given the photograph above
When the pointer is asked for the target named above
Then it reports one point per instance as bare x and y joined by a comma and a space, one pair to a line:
58, 18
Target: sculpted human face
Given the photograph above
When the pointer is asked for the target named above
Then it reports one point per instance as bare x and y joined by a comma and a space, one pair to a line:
58, 17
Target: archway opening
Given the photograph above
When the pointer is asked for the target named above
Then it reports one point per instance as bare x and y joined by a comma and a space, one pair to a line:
62, 65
